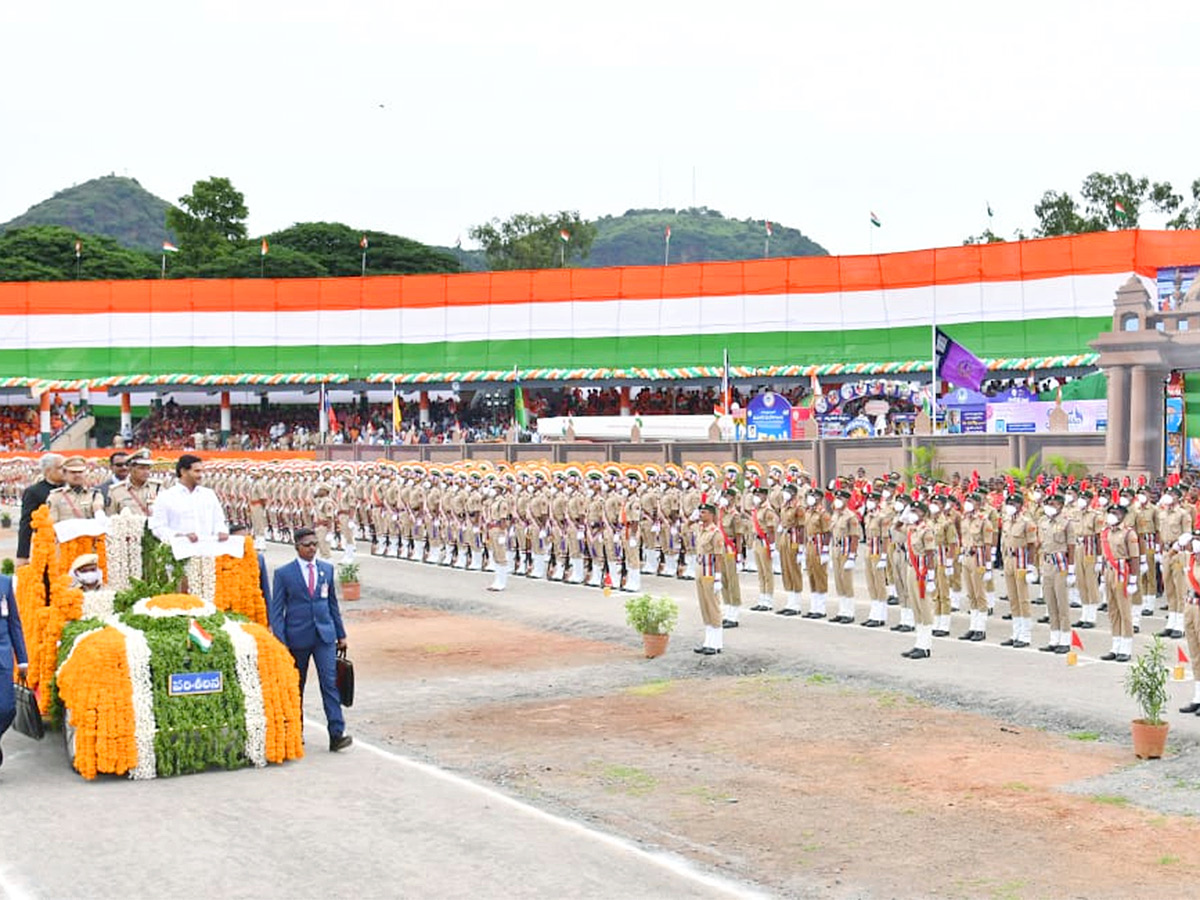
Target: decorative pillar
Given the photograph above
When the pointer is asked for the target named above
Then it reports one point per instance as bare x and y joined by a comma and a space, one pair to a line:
126, 417
1116, 439
323, 413
626, 408
423, 409
85, 398
226, 418
45, 420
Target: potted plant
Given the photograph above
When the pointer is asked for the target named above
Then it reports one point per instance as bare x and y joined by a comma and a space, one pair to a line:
654, 618
1146, 683
5, 520
347, 576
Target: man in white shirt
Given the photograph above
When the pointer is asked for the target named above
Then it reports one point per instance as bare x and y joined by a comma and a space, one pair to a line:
188, 509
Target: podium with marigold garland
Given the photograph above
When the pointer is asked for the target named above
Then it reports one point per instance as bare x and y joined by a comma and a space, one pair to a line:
147, 681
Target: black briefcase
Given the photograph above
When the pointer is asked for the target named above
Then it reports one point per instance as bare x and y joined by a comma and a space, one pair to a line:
345, 679
29, 718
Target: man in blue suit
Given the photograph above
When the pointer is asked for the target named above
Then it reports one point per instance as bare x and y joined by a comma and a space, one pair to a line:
303, 609
12, 649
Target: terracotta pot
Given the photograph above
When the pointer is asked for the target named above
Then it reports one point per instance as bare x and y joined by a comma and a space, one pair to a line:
351, 590
656, 644
1149, 740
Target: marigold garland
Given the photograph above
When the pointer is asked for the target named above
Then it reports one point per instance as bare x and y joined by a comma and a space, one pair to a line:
239, 588
95, 685
281, 696
174, 601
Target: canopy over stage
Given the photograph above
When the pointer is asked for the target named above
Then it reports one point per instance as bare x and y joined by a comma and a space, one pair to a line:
1021, 305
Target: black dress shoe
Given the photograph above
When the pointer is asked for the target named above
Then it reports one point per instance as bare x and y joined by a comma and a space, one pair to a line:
1109, 656
728, 623
1103, 607
1147, 612
1007, 617
969, 636
941, 633
872, 623
814, 615
978, 636
1020, 645
1049, 648
787, 612
1175, 634
905, 629
706, 651
893, 601
341, 742
1044, 620
918, 653
1190, 708
760, 607
1062, 649
1137, 629
1122, 657
1085, 625
1007, 643
1166, 632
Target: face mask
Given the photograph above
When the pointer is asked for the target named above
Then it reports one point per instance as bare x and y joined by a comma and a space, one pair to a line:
810, 500
1082, 503
1037, 495
1124, 501
968, 506
724, 501
1196, 545
89, 577
787, 496
1142, 498
898, 506
934, 509
885, 495
871, 504
1050, 511
911, 518
839, 504
755, 501
1113, 519
1167, 500
1009, 509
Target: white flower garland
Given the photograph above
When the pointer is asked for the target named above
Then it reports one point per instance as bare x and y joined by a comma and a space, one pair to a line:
143, 608
245, 650
201, 574
98, 604
124, 549
137, 657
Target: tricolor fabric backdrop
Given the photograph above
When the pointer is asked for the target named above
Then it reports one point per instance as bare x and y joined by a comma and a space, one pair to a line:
1001, 301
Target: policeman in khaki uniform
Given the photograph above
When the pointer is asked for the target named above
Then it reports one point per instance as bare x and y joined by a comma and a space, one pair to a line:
731, 590
816, 550
978, 540
324, 518
1018, 537
709, 550
498, 515
1190, 550
1174, 520
1145, 518
1089, 522
790, 542
1121, 553
73, 500
943, 516
845, 532
875, 528
1056, 555
137, 492
920, 548
764, 523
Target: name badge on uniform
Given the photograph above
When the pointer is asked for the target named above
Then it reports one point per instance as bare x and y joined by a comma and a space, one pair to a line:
3, 607
325, 590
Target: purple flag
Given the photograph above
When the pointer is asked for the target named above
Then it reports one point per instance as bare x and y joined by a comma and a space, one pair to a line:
957, 364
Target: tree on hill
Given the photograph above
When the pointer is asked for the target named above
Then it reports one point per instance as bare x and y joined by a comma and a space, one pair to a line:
111, 206
335, 247
211, 223
1111, 201
47, 253
528, 241
698, 234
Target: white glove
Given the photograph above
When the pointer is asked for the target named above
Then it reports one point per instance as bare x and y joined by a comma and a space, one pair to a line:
930, 578
1145, 567
1184, 542
717, 583
656, 528
950, 569
848, 565
882, 564
987, 575
824, 559
542, 534
1099, 566
1031, 576
1071, 575
633, 543
1132, 585
695, 516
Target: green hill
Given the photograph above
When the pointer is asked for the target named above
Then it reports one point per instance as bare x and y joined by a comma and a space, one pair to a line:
697, 235
112, 206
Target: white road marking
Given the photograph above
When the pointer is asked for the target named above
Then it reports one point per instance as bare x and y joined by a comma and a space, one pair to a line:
673, 864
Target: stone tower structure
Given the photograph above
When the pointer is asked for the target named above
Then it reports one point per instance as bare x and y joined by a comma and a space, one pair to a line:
1145, 344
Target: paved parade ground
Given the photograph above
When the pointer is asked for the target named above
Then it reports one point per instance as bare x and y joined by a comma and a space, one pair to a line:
519, 745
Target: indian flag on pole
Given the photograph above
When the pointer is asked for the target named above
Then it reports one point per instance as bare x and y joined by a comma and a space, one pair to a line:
875, 220
397, 411
168, 247
770, 230
198, 636
266, 248
564, 235
1119, 209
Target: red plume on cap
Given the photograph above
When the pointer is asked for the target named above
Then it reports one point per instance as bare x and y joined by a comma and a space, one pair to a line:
1054, 484
1070, 479
1141, 481
703, 498
1104, 482
1173, 479
1009, 483
1083, 485
917, 480
1041, 479
1116, 496
916, 493
974, 483
756, 484
1125, 482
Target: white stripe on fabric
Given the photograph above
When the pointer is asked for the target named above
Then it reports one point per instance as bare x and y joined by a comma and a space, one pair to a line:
1071, 296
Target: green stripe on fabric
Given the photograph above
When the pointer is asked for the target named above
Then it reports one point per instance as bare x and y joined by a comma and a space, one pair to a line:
1041, 337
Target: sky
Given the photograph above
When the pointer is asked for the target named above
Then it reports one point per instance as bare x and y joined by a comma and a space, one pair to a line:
425, 118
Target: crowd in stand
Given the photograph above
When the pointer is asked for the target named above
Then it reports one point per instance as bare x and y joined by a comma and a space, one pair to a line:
20, 426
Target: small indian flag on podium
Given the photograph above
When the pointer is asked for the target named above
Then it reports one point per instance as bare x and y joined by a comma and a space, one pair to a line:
198, 636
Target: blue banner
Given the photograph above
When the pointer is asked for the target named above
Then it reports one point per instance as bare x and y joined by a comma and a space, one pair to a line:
184, 684
769, 418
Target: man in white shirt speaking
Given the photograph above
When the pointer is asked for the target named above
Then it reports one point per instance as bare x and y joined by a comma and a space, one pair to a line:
187, 509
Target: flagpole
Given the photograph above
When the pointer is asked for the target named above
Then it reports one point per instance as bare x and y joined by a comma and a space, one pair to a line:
164, 265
